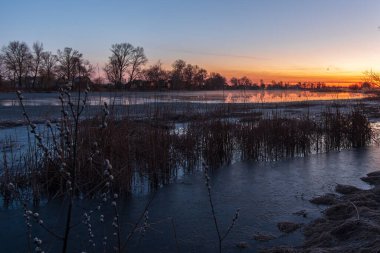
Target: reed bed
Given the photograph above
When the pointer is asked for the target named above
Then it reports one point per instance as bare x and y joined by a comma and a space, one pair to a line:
152, 151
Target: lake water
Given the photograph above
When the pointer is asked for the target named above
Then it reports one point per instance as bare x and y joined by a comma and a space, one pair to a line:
43, 106
266, 193
234, 96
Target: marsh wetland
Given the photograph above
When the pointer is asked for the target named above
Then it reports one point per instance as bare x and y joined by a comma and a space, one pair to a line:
266, 159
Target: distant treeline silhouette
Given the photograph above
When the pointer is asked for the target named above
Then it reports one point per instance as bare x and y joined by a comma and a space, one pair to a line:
36, 69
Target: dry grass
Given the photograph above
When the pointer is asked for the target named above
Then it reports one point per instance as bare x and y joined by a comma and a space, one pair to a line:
151, 151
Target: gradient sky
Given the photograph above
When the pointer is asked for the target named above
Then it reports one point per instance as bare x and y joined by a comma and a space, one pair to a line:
292, 40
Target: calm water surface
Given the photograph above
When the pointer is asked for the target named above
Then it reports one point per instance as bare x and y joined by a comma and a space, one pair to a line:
131, 98
266, 193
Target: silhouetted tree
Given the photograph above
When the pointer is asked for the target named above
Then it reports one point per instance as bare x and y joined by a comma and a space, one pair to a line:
48, 63
68, 60
36, 61
119, 62
2, 70
354, 87
245, 81
366, 85
156, 76
262, 84
137, 61
215, 81
112, 72
177, 74
234, 81
200, 76
17, 59
371, 78
72, 67
84, 70
188, 76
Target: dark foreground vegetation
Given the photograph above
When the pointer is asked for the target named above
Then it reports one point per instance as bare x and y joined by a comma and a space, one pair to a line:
156, 148
105, 157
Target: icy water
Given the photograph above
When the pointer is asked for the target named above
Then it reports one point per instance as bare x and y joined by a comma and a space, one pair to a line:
43, 106
235, 96
266, 193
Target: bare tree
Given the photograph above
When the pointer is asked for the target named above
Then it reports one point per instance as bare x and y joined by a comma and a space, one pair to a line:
234, 81
138, 60
188, 75
371, 78
68, 60
112, 73
36, 60
17, 59
215, 81
241, 82
155, 75
245, 81
200, 77
73, 68
193, 76
262, 84
2, 70
84, 68
48, 63
177, 74
119, 62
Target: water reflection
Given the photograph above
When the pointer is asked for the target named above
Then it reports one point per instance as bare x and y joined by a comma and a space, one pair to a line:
288, 96
266, 193
134, 98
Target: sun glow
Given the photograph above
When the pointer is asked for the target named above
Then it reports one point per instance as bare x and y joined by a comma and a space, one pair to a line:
328, 76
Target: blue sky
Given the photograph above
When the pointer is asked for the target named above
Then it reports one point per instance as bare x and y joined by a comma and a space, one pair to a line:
259, 38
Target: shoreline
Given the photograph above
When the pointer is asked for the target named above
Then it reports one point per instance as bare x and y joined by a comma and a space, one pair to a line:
350, 222
12, 114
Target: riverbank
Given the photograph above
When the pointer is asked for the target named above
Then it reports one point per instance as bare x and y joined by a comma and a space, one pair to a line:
350, 223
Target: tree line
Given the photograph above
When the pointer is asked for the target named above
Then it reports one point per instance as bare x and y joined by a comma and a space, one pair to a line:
33, 67
22, 66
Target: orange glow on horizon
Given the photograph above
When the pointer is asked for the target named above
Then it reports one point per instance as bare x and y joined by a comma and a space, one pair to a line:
339, 68
331, 79
331, 76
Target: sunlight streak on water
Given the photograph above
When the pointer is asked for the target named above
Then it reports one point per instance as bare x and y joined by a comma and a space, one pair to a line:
235, 96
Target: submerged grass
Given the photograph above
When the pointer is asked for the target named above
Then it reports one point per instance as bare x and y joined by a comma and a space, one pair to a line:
107, 156
151, 151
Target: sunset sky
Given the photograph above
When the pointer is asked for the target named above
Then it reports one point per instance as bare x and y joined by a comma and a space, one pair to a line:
289, 40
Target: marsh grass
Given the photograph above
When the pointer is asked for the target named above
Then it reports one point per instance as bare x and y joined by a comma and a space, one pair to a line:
107, 156
151, 151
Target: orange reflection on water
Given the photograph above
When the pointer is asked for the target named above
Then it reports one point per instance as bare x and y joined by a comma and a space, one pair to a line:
287, 96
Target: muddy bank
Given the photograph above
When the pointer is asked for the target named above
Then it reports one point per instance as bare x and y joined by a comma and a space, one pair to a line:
350, 223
